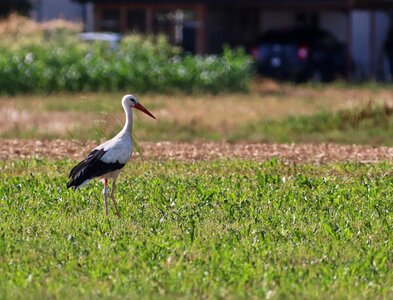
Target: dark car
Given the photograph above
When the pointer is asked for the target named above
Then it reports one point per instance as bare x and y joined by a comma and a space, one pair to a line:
300, 54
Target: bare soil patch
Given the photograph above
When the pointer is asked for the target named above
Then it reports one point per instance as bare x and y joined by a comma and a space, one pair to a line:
289, 153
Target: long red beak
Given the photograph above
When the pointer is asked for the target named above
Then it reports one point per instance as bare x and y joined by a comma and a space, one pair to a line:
142, 108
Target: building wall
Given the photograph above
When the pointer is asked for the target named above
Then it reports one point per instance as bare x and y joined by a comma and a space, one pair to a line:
368, 60
234, 27
271, 19
54, 9
384, 22
44, 10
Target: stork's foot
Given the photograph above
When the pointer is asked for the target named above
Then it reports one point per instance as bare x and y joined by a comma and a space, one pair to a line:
118, 214
114, 204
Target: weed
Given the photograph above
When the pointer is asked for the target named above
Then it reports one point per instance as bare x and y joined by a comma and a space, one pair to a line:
232, 229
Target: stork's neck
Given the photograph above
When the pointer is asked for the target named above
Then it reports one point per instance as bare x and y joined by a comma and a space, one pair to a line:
128, 125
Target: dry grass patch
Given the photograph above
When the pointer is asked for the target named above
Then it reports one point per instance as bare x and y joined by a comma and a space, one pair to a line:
180, 117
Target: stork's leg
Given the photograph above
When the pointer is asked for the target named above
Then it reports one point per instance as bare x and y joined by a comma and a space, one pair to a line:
113, 197
105, 190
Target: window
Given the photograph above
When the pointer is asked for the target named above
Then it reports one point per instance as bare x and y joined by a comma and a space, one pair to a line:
136, 20
110, 20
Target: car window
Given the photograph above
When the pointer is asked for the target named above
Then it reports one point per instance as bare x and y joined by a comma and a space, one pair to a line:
279, 37
299, 36
328, 40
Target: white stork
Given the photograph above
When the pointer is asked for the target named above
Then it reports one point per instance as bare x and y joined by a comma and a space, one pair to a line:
107, 159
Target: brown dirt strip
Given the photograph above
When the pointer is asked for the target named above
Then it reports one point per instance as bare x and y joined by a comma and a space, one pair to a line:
289, 153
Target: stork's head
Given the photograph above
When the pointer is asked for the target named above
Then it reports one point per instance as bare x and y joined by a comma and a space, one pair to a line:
131, 101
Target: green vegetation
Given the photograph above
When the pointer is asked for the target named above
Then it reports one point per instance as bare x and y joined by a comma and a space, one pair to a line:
59, 61
230, 229
371, 124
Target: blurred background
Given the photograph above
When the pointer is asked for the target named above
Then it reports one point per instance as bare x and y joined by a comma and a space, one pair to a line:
247, 70
356, 34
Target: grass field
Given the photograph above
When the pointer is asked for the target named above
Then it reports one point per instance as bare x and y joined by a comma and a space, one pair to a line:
221, 228
215, 229
269, 113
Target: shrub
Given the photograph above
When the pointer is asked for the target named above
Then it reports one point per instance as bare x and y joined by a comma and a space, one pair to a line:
55, 60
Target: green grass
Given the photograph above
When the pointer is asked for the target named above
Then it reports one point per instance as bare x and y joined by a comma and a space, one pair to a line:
221, 229
371, 124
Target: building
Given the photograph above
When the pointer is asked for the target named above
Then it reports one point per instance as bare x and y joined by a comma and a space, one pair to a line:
203, 26
45, 10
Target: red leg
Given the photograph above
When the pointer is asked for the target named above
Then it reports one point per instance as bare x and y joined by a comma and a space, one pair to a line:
113, 197
105, 195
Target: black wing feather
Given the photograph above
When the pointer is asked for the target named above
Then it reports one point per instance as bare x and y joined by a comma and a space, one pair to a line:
91, 167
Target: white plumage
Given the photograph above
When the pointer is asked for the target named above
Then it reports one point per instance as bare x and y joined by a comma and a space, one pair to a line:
117, 149
106, 160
